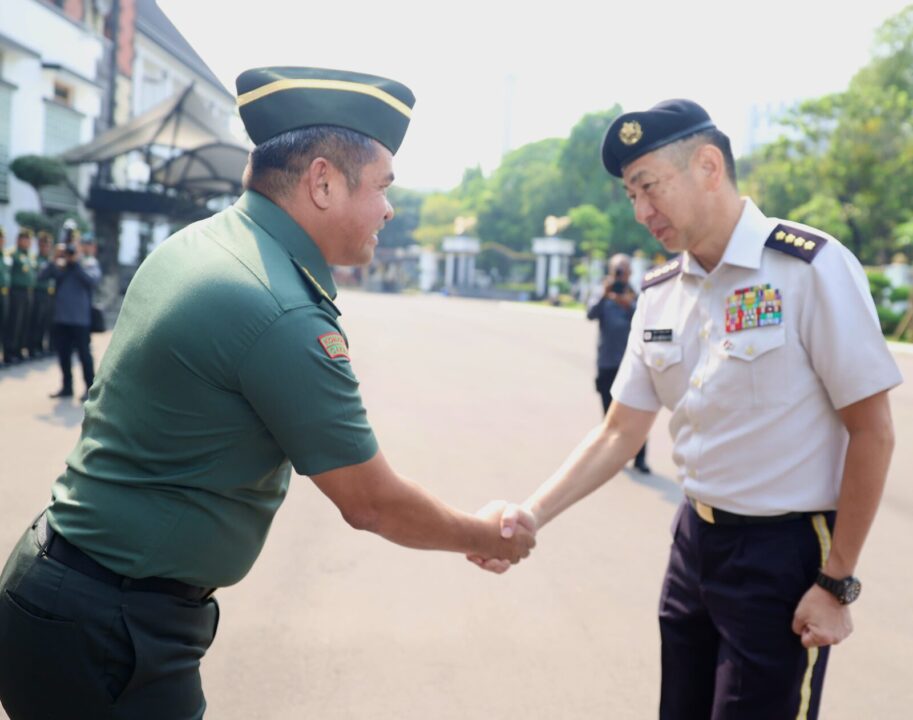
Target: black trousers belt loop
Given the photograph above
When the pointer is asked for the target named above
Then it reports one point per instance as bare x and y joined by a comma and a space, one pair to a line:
715, 516
60, 549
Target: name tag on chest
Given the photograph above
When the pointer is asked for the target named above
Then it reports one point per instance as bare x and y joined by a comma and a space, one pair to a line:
664, 335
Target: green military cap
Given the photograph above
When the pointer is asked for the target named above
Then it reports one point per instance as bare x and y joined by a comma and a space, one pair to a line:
274, 100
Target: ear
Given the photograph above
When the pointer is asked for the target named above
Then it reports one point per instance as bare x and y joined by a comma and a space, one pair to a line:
711, 166
318, 179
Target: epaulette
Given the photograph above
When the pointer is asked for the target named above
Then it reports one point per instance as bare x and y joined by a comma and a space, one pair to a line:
322, 295
798, 243
661, 273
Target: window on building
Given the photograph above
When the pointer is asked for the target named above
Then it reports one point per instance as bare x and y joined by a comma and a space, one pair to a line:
63, 94
6, 102
61, 132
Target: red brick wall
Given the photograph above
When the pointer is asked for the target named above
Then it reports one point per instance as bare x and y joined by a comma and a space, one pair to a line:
126, 34
74, 9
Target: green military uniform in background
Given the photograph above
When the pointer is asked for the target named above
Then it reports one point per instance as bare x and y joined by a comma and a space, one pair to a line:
4, 295
22, 283
42, 313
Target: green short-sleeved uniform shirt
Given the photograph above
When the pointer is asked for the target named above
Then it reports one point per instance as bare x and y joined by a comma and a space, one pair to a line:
226, 366
45, 284
22, 270
4, 271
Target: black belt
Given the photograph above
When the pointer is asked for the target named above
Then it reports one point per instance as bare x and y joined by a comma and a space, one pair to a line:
58, 547
715, 516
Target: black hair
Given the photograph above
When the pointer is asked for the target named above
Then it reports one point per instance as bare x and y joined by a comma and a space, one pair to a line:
276, 165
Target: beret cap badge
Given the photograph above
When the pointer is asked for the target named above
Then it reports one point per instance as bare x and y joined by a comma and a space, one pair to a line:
630, 132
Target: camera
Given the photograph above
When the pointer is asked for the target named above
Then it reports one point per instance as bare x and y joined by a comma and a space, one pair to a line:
70, 248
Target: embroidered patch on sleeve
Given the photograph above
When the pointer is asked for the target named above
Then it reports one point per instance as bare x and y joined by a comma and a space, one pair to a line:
753, 307
334, 345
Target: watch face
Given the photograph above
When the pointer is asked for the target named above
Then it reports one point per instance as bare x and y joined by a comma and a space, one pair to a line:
851, 589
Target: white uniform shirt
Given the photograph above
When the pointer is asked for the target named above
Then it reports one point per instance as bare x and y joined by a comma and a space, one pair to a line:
754, 424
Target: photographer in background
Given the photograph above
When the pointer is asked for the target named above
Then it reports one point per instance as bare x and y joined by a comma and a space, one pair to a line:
72, 309
614, 310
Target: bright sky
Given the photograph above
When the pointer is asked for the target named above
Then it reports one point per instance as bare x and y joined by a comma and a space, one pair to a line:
490, 74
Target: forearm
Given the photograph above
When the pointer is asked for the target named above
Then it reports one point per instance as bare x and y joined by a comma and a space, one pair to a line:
409, 515
868, 456
372, 496
598, 458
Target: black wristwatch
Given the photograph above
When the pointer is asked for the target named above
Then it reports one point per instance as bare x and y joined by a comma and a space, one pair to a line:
846, 590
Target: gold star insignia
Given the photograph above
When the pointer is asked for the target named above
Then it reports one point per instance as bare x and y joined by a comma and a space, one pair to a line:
810, 245
780, 235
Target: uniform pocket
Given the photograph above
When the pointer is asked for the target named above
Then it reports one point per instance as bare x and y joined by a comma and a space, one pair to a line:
36, 646
754, 370
659, 357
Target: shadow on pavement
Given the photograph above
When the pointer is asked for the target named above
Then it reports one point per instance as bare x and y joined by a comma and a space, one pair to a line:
669, 490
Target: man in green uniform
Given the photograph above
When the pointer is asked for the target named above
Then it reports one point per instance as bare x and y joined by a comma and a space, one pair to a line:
4, 291
42, 299
22, 283
227, 367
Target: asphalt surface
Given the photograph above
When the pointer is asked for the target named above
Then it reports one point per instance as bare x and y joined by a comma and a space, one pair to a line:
475, 400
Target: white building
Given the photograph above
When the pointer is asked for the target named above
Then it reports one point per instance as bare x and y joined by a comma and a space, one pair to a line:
164, 64
50, 97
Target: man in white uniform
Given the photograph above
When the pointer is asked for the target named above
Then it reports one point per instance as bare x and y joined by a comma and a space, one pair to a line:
762, 339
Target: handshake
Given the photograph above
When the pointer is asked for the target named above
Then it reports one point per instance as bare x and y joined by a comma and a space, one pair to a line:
516, 527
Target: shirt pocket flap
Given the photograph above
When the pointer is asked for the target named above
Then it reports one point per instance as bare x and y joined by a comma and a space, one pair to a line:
755, 343
659, 356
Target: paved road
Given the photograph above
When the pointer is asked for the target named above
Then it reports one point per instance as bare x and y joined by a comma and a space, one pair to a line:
475, 400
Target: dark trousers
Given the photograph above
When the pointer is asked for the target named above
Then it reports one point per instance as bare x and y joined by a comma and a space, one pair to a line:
604, 380
728, 649
4, 312
15, 334
68, 338
40, 322
74, 648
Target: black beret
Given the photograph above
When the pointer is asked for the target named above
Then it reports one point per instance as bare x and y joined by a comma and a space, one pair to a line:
274, 100
636, 133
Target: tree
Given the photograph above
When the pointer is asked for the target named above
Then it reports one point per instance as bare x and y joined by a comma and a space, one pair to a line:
407, 207
587, 183
523, 191
845, 162
436, 217
39, 172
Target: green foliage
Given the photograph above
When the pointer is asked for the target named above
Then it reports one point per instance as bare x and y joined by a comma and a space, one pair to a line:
595, 229
560, 285
407, 206
900, 294
39, 171
888, 319
845, 161
522, 192
436, 218
35, 221
878, 285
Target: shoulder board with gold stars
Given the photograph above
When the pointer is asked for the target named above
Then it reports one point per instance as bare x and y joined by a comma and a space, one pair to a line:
798, 243
661, 273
